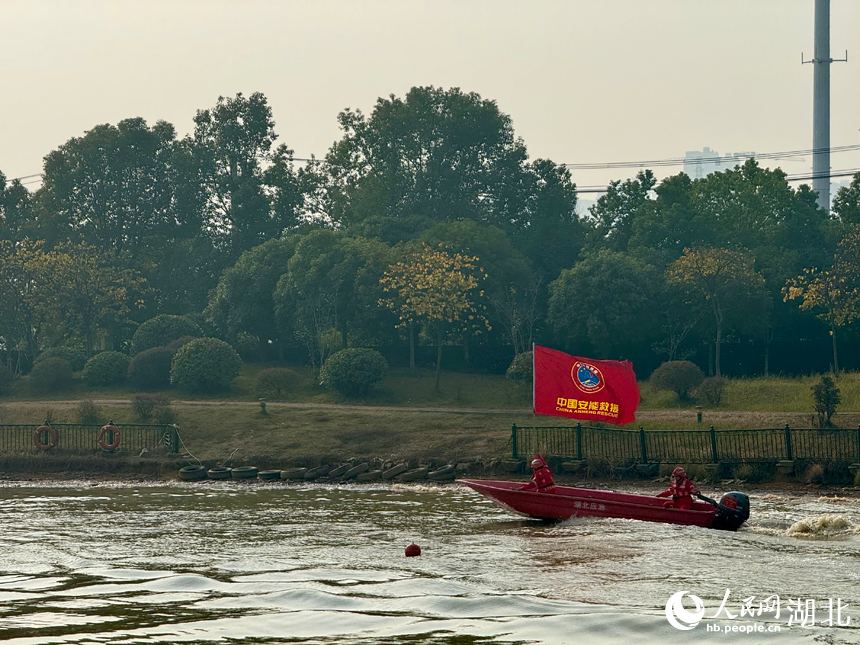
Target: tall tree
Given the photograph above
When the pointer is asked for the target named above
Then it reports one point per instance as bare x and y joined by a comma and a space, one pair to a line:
329, 282
243, 301
243, 171
436, 155
606, 301
615, 212
832, 292
725, 283
110, 187
15, 209
846, 203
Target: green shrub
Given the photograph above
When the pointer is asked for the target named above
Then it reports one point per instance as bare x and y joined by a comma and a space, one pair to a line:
205, 365
353, 372
521, 369
179, 342
106, 368
145, 404
162, 330
682, 377
711, 390
76, 356
275, 382
826, 396
52, 374
150, 370
246, 344
6, 378
88, 413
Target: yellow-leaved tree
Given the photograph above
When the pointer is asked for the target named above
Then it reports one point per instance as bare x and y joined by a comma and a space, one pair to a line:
436, 288
832, 292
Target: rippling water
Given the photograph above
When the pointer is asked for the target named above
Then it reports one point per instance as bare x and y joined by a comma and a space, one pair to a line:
239, 562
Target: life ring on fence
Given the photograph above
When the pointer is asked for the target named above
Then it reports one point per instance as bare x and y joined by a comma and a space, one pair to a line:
52, 433
103, 444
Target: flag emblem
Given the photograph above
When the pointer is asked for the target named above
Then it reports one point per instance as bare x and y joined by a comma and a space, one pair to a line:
587, 377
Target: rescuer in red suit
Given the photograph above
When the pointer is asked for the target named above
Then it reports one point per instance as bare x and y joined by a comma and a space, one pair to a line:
542, 478
681, 489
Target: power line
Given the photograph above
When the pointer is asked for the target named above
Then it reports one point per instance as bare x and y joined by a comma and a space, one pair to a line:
679, 161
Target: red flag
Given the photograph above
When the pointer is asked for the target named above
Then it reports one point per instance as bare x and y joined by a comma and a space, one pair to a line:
583, 388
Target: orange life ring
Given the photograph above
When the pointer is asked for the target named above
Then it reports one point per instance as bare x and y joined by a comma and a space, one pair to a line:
103, 444
37, 437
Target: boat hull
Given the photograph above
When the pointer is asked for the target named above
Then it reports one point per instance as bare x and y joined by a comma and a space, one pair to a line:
564, 502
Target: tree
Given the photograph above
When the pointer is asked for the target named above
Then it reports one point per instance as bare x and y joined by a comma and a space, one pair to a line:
20, 276
436, 155
244, 301
726, 284
81, 292
437, 288
846, 202
834, 292
614, 214
244, 174
331, 281
511, 289
16, 205
607, 300
110, 187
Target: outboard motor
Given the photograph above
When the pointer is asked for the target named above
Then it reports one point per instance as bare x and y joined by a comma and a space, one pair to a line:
732, 511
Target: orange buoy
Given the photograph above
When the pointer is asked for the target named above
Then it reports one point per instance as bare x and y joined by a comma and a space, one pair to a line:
413, 549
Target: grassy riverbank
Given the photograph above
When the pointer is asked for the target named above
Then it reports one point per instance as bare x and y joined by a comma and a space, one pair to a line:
404, 418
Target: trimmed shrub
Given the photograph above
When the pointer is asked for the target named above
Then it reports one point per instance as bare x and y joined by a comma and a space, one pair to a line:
205, 365
6, 378
179, 342
76, 356
150, 370
106, 368
521, 369
711, 390
52, 374
162, 330
275, 382
826, 396
353, 372
682, 377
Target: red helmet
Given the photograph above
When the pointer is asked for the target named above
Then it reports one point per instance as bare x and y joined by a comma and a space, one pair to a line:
538, 462
679, 472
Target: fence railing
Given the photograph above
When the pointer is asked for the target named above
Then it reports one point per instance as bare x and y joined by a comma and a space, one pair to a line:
81, 438
688, 446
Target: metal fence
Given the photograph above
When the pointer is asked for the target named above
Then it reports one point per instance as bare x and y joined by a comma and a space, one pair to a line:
79, 438
689, 446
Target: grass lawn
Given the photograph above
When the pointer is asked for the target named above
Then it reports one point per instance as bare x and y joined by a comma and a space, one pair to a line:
405, 418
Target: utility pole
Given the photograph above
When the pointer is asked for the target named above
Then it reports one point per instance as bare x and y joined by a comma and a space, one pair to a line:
821, 103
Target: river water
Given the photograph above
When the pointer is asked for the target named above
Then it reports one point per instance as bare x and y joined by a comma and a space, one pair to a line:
235, 562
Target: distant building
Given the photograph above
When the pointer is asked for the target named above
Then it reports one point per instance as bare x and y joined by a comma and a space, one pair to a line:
701, 164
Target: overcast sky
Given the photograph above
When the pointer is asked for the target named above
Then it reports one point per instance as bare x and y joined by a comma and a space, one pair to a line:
583, 80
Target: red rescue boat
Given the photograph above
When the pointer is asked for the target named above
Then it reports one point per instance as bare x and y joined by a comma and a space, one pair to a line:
564, 502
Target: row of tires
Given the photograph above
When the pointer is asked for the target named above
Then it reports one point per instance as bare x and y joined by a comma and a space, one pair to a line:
347, 472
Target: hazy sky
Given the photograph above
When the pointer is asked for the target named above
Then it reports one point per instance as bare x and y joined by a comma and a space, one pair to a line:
583, 80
